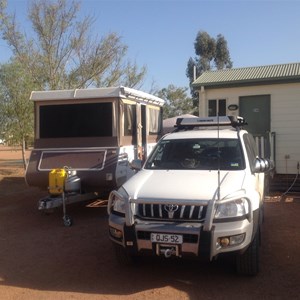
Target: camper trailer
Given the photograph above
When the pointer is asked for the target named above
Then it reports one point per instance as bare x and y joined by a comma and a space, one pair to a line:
93, 133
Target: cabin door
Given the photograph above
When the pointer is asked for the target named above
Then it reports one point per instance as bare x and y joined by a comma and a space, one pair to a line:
256, 111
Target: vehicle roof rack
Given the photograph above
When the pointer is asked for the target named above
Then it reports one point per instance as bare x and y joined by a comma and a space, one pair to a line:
190, 123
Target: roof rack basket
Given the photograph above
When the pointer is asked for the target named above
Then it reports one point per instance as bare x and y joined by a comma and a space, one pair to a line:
190, 123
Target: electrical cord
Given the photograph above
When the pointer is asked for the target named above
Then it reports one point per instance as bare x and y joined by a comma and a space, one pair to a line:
292, 183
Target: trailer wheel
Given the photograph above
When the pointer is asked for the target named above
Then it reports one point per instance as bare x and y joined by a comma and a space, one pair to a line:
123, 257
248, 262
67, 221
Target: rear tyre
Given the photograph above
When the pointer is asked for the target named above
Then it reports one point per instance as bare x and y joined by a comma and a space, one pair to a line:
248, 262
123, 257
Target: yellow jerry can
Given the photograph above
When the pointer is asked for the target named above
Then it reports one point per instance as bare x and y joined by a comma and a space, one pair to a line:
57, 179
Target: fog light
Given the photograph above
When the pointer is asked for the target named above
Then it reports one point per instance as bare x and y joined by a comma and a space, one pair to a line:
224, 242
115, 232
227, 241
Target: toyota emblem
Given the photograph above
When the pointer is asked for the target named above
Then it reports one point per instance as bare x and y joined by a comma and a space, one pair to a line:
170, 209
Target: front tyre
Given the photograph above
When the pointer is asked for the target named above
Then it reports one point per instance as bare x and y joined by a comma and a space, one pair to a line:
248, 262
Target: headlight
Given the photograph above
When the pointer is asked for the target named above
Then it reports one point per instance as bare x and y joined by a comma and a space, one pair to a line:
232, 209
118, 201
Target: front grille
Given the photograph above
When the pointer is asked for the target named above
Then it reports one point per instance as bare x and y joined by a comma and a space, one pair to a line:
171, 212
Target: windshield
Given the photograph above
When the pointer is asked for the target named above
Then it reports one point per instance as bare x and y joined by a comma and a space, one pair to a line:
200, 154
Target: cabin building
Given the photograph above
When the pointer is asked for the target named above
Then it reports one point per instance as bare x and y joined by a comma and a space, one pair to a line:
268, 97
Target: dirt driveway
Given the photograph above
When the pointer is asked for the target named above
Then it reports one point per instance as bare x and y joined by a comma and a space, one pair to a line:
42, 259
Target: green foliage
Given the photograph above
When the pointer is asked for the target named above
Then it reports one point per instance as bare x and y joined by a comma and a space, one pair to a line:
177, 101
60, 52
222, 56
205, 48
210, 54
16, 110
63, 53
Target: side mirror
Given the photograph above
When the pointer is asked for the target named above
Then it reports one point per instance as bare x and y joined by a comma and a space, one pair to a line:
136, 164
263, 165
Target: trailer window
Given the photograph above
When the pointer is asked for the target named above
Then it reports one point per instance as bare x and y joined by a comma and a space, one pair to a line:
154, 120
129, 119
76, 120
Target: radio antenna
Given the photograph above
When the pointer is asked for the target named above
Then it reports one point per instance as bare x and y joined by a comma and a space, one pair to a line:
219, 158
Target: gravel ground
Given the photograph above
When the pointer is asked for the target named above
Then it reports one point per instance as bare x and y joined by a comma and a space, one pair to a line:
42, 259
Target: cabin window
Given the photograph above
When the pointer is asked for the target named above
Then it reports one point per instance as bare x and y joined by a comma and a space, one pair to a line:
129, 119
76, 120
215, 106
154, 120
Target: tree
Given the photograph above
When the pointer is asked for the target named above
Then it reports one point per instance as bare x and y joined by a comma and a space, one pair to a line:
177, 101
205, 48
222, 58
59, 53
211, 54
16, 122
63, 53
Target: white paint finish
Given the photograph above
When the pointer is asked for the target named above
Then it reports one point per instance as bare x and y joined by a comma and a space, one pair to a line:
110, 92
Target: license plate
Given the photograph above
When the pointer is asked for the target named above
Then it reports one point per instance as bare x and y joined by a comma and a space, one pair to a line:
166, 238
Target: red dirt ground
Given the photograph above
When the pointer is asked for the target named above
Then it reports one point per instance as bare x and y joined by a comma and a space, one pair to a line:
42, 259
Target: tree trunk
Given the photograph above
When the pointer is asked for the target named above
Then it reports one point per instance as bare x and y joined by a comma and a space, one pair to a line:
24, 153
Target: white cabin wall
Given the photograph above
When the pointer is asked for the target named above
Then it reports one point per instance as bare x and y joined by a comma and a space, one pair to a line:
285, 117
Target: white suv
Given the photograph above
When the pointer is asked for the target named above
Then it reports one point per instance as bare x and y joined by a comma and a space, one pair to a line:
200, 193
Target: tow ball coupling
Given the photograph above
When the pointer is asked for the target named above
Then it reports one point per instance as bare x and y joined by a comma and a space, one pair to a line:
167, 250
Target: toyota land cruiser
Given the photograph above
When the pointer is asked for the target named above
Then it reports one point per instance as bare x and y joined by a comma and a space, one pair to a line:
200, 193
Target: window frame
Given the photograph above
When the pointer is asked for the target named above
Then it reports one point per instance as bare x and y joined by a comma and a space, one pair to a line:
216, 103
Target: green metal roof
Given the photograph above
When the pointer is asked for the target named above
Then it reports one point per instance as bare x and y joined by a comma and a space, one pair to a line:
282, 73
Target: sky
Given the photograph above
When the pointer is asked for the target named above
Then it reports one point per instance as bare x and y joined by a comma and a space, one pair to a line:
161, 33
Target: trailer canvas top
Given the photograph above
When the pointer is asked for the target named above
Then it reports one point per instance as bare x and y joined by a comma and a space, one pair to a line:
111, 92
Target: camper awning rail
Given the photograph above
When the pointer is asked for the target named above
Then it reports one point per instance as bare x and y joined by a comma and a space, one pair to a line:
110, 92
